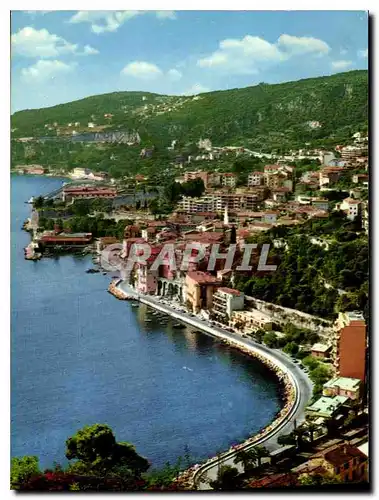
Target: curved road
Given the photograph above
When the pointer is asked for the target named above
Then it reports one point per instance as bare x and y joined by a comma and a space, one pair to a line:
299, 378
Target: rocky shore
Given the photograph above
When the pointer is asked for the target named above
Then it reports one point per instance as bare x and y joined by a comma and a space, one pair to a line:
186, 479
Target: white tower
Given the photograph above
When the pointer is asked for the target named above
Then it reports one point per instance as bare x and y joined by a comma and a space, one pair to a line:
226, 216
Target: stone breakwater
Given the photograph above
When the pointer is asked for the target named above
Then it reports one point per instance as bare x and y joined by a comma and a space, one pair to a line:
186, 479
112, 288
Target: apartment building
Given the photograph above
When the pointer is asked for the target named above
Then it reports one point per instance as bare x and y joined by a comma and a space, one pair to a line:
229, 179
353, 152
349, 345
255, 179
199, 290
199, 174
226, 301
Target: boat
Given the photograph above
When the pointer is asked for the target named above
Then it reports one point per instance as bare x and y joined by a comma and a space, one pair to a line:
135, 304
92, 270
31, 200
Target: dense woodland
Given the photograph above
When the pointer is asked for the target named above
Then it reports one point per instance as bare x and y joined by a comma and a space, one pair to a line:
270, 118
310, 277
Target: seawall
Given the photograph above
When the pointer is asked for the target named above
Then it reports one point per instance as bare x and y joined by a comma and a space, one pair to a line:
290, 387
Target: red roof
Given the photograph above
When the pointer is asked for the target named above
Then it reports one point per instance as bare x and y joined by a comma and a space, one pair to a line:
231, 291
275, 480
256, 173
202, 278
341, 454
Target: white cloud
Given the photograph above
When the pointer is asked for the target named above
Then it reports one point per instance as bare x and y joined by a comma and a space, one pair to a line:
44, 70
174, 74
295, 45
29, 42
251, 54
88, 50
342, 64
102, 21
142, 69
197, 88
149, 71
363, 53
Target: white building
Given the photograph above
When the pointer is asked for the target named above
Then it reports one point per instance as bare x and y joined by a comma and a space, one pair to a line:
226, 301
229, 180
251, 320
91, 125
351, 207
255, 179
80, 173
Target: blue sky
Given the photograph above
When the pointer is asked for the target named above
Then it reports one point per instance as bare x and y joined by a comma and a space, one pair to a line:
60, 56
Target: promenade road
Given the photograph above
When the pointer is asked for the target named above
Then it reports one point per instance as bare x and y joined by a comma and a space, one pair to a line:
302, 382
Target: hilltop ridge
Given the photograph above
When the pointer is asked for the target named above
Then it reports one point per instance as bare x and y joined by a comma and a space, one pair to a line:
285, 114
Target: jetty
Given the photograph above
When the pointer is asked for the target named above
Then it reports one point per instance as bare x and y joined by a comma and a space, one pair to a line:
119, 294
31, 252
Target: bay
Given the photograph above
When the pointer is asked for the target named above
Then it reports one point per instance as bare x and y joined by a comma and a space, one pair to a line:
79, 356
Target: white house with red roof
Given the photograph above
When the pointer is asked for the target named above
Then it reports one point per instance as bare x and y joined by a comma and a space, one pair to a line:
351, 207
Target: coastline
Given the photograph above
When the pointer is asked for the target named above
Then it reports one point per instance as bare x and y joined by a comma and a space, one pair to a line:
289, 389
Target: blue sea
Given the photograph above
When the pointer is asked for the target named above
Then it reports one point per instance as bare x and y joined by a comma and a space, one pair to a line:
79, 356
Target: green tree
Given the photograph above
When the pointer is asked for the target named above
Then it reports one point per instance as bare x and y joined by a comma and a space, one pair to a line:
270, 339
247, 458
95, 448
38, 202
228, 479
291, 348
310, 362
261, 452
23, 469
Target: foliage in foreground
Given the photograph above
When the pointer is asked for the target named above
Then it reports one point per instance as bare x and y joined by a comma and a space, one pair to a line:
97, 463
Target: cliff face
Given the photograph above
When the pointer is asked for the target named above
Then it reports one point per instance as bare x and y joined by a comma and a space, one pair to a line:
120, 137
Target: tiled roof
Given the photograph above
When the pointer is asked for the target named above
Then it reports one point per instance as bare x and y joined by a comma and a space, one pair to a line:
343, 454
275, 480
202, 278
231, 291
